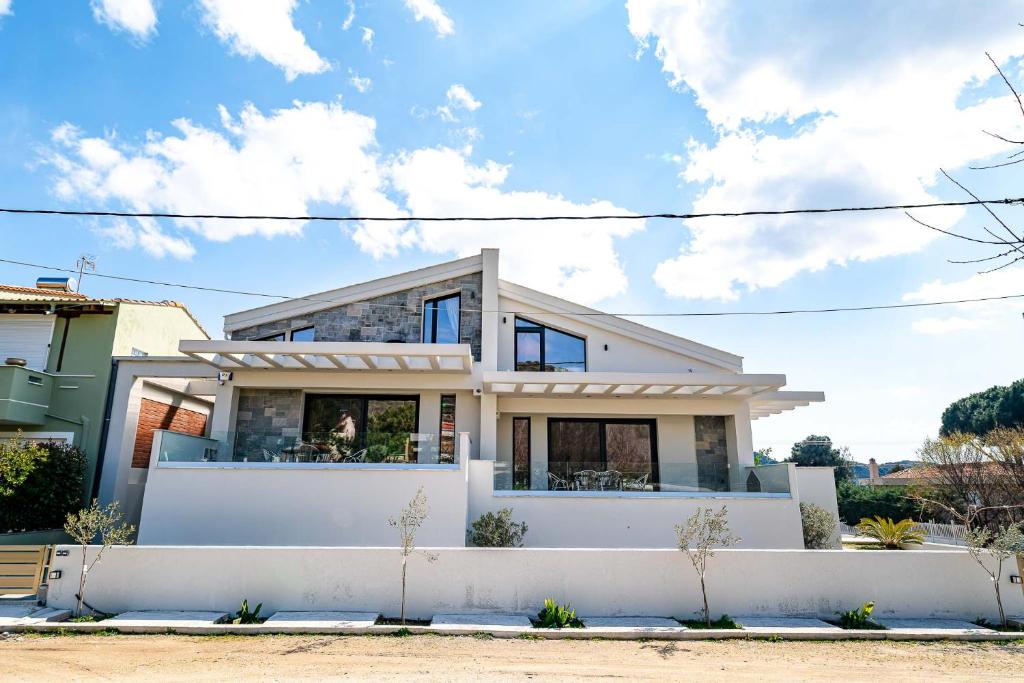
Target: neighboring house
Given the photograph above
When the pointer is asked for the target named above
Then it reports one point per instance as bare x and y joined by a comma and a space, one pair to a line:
332, 409
57, 349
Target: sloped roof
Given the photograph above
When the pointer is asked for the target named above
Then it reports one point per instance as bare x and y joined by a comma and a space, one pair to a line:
55, 296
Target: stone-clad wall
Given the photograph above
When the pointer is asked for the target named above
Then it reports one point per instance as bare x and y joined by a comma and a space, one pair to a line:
267, 418
393, 317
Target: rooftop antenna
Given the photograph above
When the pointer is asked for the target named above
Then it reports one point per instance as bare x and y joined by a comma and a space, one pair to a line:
85, 262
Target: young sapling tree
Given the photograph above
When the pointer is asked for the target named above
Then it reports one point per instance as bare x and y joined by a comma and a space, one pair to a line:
103, 522
704, 531
408, 524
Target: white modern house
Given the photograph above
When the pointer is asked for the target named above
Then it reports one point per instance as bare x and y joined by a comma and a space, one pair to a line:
331, 410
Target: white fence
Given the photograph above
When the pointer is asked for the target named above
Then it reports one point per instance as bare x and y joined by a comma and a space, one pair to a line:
953, 534
627, 582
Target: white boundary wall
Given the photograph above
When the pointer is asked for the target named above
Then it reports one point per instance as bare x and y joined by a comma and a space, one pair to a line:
596, 581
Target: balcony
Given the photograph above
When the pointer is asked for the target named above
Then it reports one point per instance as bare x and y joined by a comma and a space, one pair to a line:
24, 396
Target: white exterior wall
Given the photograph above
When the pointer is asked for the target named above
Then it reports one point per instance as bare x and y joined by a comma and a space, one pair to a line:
817, 485
623, 355
294, 505
597, 582
639, 520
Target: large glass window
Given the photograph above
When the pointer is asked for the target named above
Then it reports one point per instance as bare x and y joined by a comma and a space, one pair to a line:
302, 334
597, 454
362, 428
441, 320
544, 349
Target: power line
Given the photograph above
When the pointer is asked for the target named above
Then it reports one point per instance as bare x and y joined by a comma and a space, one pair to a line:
436, 219
690, 314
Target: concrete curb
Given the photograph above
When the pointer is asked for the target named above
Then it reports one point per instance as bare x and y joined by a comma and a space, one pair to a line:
506, 632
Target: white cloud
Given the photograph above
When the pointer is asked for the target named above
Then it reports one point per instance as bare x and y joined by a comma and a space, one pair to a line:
432, 12
350, 17
574, 259
971, 316
137, 17
5, 7
264, 29
259, 164
367, 38
362, 84
458, 97
855, 117
278, 163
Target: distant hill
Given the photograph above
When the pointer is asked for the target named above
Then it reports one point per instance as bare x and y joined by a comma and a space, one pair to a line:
860, 469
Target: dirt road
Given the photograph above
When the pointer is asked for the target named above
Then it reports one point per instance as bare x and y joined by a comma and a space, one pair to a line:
166, 658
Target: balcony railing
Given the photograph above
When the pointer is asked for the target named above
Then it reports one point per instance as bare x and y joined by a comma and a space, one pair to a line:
24, 395
257, 448
665, 477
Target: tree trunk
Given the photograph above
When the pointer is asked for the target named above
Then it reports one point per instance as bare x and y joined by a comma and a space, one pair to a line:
81, 585
999, 597
704, 592
402, 616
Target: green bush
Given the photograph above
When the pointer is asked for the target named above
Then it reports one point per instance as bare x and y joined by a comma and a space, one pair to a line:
557, 616
819, 525
492, 530
857, 502
892, 535
51, 491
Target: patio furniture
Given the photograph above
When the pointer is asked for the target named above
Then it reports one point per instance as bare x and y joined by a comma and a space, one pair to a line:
638, 484
610, 480
357, 457
556, 483
586, 480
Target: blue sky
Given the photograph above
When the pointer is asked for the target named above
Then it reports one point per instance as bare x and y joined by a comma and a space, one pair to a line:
443, 107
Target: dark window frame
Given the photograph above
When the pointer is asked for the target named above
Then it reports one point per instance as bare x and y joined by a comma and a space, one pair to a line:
602, 422
366, 398
274, 337
291, 333
537, 328
529, 448
433, 323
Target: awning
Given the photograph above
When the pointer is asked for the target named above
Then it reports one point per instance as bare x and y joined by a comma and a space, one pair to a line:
775, 402
331, 356
632, 384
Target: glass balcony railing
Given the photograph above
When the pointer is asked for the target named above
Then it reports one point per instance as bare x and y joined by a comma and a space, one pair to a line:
358, 448
671, 477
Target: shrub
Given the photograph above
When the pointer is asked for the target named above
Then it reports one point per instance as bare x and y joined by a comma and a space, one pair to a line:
497, 530
891, 534
557, 616
818, 524
857, 502
48, 493
18, 458
858, 619
244, 616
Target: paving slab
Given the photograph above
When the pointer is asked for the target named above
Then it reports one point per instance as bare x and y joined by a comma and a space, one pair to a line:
322, 619
491, 622
636, 624
17, 610
45, 615
161, 620
782, 624
932, 625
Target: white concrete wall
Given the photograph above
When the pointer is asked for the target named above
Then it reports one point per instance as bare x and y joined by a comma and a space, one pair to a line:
617, 520
596, 582
623, 355
296, 505
817, 485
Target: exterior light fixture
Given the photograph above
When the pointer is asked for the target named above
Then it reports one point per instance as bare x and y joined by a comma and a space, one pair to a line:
54, 574
1015, 579
224, 376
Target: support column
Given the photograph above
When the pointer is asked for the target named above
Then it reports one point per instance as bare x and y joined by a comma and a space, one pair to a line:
488, 427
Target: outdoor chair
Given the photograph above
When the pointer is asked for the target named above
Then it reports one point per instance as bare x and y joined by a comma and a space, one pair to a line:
586, 480
357, 457
611, 480
638, 484
556, 483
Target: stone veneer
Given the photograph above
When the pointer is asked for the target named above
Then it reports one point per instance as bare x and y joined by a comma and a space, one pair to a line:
712, 452
392, 317
267, 418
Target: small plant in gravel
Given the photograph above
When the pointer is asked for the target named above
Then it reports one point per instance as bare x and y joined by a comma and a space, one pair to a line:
245, 616
859, 619
724, 621
557, 616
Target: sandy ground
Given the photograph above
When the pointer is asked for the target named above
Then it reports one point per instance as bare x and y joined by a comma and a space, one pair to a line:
196, 658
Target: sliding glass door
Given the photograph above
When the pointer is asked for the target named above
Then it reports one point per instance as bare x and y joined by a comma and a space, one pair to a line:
599, 454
